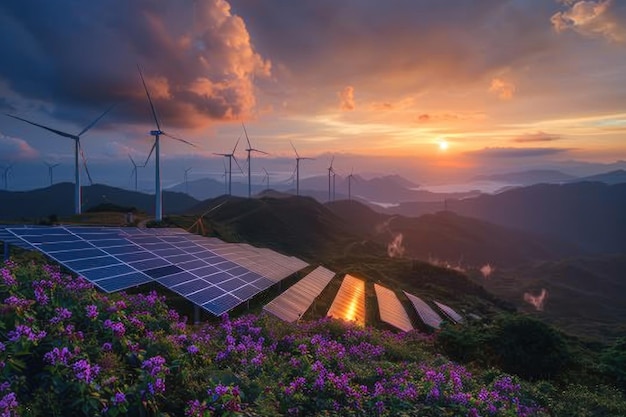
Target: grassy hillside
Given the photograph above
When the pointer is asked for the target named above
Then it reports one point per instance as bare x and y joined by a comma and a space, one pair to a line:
68, 350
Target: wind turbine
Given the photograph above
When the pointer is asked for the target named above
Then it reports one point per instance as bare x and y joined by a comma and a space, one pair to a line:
155, 148
298, 158
266, 178
330, 171
5, 175
187, 180
225, 178
134, 171
250, 150
230, 157
77, 149
350, 185
50, 168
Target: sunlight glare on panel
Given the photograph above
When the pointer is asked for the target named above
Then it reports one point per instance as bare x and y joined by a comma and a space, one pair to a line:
349, 304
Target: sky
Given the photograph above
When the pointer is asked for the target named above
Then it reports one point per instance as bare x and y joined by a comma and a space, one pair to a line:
435, 91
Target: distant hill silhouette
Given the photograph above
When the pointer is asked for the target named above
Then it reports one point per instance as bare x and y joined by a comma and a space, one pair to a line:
530, 177
59, 199
451, 238
613, 177
587, 214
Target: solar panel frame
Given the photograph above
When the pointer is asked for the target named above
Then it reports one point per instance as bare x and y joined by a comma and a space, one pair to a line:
425, 312
449, 312
391, 309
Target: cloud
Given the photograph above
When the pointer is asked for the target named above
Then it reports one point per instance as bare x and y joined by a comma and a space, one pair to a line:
13, 149
502, 152
346, 98
504, 89
198, 59
601, 18
536, 137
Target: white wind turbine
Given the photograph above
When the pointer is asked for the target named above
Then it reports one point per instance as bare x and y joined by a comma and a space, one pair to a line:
50, 173
331, 171
77, 149
350, 177
158, 215
298, 159
134, 171
5, 175
230, 157
187, 180
250, 150
267, 179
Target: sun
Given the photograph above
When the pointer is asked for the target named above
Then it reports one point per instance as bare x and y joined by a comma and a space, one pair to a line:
443, 145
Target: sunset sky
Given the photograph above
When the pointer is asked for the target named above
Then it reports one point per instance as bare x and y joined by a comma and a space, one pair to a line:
428, 89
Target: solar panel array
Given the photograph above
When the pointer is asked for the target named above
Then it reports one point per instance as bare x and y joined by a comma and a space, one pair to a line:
295, 301
448, 311
391, 309
349, 303
426, 313
208, 272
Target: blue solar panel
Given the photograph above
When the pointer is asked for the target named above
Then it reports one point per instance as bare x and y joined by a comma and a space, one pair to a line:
123, 281
162, 271
138, 255
107, 272
191, 286
82, 264
56, 247
171, 280
219, 306
206, 271
78, 254
119, 258
246, 292
231, 284
219, 277
149, 264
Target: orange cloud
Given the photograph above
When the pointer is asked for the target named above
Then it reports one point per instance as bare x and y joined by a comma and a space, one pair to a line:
592, 19
16, 148
504, 89
346, 98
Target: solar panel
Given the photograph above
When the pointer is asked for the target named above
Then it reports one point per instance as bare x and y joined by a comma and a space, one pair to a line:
295, 301
427, 314
349, 303
448, 311
119, 258
391, 309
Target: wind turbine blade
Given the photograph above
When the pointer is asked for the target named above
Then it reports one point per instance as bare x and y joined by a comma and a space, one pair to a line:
82, 155
266, 173
96, 121
239, 166
150, 154
246, 132
221, 154
236, 143
156, 120
58, 132
331, 162
259, 151
310, 159
294, 149
133, 161
179, 139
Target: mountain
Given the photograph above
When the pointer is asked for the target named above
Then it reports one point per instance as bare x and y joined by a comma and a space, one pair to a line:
451, 239
587, 214
528, 177
613, 177
59, 199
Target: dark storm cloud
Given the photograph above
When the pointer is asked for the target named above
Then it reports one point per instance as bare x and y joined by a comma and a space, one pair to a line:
82, 56
516, 152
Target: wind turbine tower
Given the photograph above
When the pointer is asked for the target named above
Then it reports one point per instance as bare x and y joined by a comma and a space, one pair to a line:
50, 173
5, 175
158, 215
134, 171
330, 171
250, 150
77, 150
187, 180
350, 177
230, 157
267, 178
298, 159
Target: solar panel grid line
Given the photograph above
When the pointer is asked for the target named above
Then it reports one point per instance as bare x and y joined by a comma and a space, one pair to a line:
349, 303
426, 313
391, 309
449, 311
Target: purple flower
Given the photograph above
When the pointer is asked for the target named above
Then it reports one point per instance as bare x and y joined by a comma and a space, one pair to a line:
7, 277
119, 398
192, 349
62, 314
116, 326
107, 347
84, 371
58, 356
22, 330
92, 311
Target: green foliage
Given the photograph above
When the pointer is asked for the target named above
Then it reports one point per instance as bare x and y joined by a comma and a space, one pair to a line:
614, 361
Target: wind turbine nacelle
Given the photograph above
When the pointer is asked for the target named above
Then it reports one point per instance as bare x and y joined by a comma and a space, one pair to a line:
155, 132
